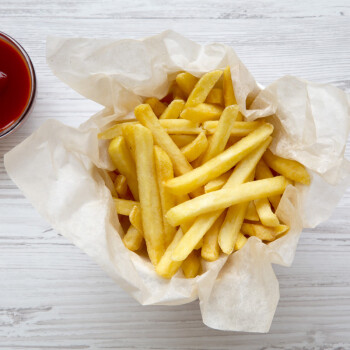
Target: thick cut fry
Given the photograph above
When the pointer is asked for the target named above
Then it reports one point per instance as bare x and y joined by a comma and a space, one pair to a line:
192, 265
241, 241
166, 266
145, 115
121, 186
164, 170
202, 224
217, 183
230, 228
239, 128
229, 95
226, 197
194, 149
199, 245
264, 172
180, 126
133, 239
210, 249
135, 218
111, 133
151, 211
182, 140
215, 96
128, 133
202, 88
202, 112
251, 213
263, 232
173, 110
289, 168
219, 164
157, 106
186, 81
122, 159
125, 206
267, 217
222, 133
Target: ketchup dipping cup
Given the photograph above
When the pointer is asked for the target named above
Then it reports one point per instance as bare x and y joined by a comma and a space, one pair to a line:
17, 85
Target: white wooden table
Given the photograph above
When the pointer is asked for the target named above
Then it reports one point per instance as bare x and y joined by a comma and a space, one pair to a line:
52, 296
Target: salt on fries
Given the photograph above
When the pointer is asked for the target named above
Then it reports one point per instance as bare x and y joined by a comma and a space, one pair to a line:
193, 178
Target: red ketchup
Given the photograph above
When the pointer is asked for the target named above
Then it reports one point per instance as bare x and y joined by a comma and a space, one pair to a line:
15, 84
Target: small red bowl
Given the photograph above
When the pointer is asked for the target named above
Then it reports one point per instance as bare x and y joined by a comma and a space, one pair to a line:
17, 85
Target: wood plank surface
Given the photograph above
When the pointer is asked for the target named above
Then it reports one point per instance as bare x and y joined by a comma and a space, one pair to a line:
52, 296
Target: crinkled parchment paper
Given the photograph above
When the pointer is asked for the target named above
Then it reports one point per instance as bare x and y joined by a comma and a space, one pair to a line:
57, 168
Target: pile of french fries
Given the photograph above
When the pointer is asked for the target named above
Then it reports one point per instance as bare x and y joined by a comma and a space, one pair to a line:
194, 179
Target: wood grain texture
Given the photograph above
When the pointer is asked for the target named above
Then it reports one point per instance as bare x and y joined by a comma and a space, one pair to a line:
52, 296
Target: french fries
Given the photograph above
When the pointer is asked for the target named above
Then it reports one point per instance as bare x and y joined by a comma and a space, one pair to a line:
226, 197
194, 149
145, 115
211, 249
287, 167
219, 164
151, 212
173, 110
122, 159
193, 179
164, 170
202, 88
222, 133
202, 112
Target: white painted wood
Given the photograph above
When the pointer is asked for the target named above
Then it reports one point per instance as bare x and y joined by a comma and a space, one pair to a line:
52, 296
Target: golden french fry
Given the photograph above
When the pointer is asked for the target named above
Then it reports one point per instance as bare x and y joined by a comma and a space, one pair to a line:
135, 218
173, 110
111, 133
251, 213
202, 112
241, 241
151, 211
215, 96
267, 217
222, 133
192, 265
210, 249
164, 171
229, 95
226, 197
180, 126
122, 159
217, 183
182, 140
121, 186
263, 232
202, 88
199, 245
128, 133
157, 106
219, 164
262, 171
166, 266
194, 149
186, 81
145, 115
124, 206
287, 167
133, 239
202, 223
239, 128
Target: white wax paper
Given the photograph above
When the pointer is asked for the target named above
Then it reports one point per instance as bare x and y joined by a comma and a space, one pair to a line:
57, 168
